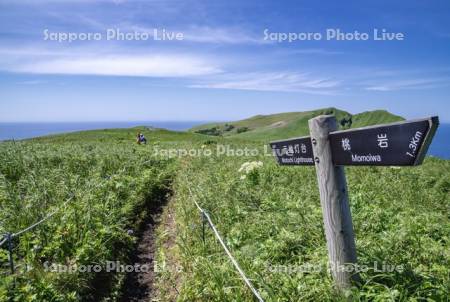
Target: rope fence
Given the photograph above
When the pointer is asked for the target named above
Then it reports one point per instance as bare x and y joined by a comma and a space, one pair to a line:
7, 238
43, 219
10, 236
206, 217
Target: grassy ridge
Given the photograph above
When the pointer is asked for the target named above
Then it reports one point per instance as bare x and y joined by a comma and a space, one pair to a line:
373, 118
119, 136
291, 124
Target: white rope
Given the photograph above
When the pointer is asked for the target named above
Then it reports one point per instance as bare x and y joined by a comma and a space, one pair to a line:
199, 208
42, 220
227, 251
236, 265
4, 240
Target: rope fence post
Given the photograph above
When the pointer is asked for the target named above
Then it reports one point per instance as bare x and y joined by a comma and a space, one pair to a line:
203, 227
10, 252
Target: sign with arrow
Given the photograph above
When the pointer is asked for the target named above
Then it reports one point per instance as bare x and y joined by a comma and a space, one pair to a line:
295, 151
396, 144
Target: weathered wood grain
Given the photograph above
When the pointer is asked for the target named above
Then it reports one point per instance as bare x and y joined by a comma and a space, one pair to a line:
334, 201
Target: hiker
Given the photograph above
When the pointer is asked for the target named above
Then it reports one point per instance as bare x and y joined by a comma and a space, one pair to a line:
141, 138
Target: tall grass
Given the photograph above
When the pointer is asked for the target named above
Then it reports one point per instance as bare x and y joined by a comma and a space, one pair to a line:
111, 185
272, 222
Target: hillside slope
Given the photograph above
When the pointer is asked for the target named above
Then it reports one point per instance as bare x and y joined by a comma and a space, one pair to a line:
368, 118
103, 185
284, 125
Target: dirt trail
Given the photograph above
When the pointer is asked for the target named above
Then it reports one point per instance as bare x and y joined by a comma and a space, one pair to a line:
139, 286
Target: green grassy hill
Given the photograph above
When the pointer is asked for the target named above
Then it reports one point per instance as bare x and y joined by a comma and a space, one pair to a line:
119, 135
368, 118
103, 186
284, 125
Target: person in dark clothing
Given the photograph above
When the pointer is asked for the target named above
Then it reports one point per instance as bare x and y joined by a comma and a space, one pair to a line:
140, 139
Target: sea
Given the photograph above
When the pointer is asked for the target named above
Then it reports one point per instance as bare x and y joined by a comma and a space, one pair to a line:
18, 131
440, 147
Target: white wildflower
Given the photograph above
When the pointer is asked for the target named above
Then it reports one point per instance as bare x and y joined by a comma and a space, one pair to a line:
248, 167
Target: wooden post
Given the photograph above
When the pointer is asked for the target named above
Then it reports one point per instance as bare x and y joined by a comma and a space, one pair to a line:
10, 250
334, 201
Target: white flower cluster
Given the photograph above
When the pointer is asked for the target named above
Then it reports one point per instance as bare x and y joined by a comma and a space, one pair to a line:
248, 167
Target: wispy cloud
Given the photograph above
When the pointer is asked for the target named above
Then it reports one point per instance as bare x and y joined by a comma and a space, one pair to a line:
272, 81
112, 61
205, 34
32, 82
418, 83
311, 51
44, 2
121, 65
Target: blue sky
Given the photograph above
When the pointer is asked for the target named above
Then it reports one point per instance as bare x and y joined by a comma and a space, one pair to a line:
223, 68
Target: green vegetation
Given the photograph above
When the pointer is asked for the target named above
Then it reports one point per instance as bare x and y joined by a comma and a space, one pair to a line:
374, 117
110, 181
270, 217
272, 220
210, 131
291, 124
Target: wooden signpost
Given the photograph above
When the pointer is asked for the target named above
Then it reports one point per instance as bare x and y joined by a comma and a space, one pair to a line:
396, 144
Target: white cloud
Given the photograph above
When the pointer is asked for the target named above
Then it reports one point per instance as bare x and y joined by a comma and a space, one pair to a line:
44, 2
205, 34
32, 82
274, 81
420, 83
92, 61
221, 35
310, 51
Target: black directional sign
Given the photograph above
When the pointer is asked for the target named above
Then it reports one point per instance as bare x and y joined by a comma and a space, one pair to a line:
396, 144
295, 151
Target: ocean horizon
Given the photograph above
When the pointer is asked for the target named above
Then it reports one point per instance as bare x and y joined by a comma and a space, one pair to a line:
25, 130
440, 147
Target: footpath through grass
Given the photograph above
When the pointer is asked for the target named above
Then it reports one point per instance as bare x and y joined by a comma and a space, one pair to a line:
270, 217
110, 182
